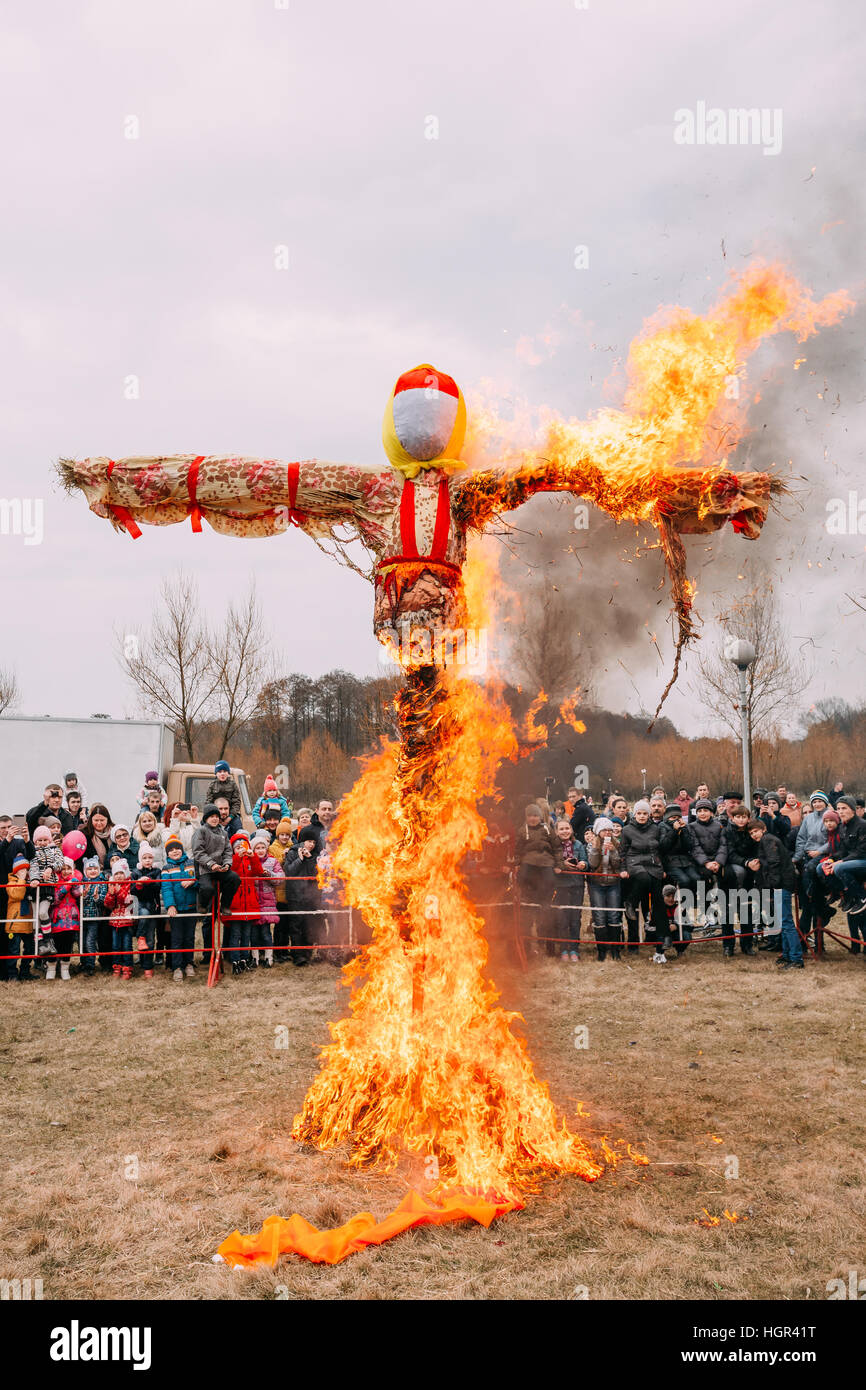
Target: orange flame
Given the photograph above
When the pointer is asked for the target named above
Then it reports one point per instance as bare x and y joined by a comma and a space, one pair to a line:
426, 1061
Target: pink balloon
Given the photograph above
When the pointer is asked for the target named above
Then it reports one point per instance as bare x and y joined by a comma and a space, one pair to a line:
73, 844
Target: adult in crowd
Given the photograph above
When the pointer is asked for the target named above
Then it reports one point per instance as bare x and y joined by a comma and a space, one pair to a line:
76, 809
607, 872
535, 855
230, 823
124, 844
569, 869
810, 843
791, 807
773, 872
50, 805
322, 819
148, 831
776, 823
98, 830
845, 875
582, 815
702, 793
212, 855
12, 848
304, 897
641, 847
684, 802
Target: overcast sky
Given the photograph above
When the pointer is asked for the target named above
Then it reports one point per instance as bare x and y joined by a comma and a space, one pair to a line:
307, 126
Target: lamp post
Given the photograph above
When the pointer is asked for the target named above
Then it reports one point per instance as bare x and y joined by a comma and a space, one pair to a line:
742, 654
643, 775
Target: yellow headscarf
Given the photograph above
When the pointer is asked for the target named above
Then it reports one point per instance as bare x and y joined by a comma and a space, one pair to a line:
448, 461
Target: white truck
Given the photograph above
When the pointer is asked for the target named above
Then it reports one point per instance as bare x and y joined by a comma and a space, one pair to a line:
110, 757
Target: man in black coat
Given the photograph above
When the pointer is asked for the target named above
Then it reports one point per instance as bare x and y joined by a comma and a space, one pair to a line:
583, 814
640, 845
50, 805
772, 871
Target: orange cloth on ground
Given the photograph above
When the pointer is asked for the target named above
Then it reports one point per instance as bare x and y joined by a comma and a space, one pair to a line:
297, 1237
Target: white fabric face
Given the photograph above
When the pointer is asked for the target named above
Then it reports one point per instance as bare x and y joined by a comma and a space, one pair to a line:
423, 420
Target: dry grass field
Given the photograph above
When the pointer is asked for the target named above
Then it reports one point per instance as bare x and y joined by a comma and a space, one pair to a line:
185, 1087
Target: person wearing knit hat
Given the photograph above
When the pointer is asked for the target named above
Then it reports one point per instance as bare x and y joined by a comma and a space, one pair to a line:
605, 887
223, 784
212, 855
271, 795
281, 850
179, 903
535, 852
304, 896
152, 784
848, 871
19, 927
810, 846
245, 903
641, 849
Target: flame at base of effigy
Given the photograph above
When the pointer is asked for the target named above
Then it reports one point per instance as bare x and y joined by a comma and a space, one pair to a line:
425, 1062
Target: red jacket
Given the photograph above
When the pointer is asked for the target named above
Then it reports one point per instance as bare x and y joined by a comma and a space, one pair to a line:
245, 903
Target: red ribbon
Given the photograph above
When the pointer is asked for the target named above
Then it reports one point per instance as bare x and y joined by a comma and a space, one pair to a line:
443, 522
294, 478
192, 484
123, 516
407, 519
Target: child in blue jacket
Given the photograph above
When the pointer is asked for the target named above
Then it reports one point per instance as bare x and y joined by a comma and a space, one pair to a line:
179, 899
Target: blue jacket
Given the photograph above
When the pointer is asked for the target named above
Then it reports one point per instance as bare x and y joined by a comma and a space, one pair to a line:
277, 798
173, 892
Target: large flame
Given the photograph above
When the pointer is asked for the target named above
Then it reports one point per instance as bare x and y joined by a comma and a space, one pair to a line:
426, 1061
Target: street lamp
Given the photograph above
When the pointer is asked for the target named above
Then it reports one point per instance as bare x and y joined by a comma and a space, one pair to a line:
742, 654
643, 775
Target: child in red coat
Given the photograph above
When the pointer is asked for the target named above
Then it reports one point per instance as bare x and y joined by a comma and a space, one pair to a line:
245, 904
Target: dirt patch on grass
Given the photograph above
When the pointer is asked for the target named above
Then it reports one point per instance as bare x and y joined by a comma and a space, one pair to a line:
145, 1121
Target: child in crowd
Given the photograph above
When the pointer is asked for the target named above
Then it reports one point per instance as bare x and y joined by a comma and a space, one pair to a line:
568, 895
45, 867
270, 793
118, 902
245, 903
92, 907
145, 887
282, 850
180, 904
72, 785
223, 784
152, 784
19, 910
604, 856
179, 899
261, 937
64, 919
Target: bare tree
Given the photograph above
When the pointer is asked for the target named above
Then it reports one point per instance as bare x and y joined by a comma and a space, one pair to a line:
548, 651
776, 679
10, 693
172, 667
242, 665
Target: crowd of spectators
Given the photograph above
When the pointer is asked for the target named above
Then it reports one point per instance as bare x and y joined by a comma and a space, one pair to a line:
145, 894
142, 895
763, 877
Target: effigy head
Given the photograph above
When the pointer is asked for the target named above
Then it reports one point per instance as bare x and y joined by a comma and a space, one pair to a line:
425, 421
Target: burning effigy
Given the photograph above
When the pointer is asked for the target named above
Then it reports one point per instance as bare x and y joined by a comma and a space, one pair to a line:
425, 1061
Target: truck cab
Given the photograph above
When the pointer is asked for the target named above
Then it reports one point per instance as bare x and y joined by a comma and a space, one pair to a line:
190, 781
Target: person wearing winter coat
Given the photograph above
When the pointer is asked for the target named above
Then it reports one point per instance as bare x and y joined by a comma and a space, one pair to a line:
152, 784
606, 871
810, 845
737, 877
848, 870
146, 891
19, 927
641, 849
245, 903
582, 815
776, 823
270, 793
45, 868
124, 845
304, 896
118, 904
568, 894
230, 824
772, 870
281, 846
535, 853
50, 805
65, 919
223, 784
676, 848
261, 935
93, 893
218, 881
179, 901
